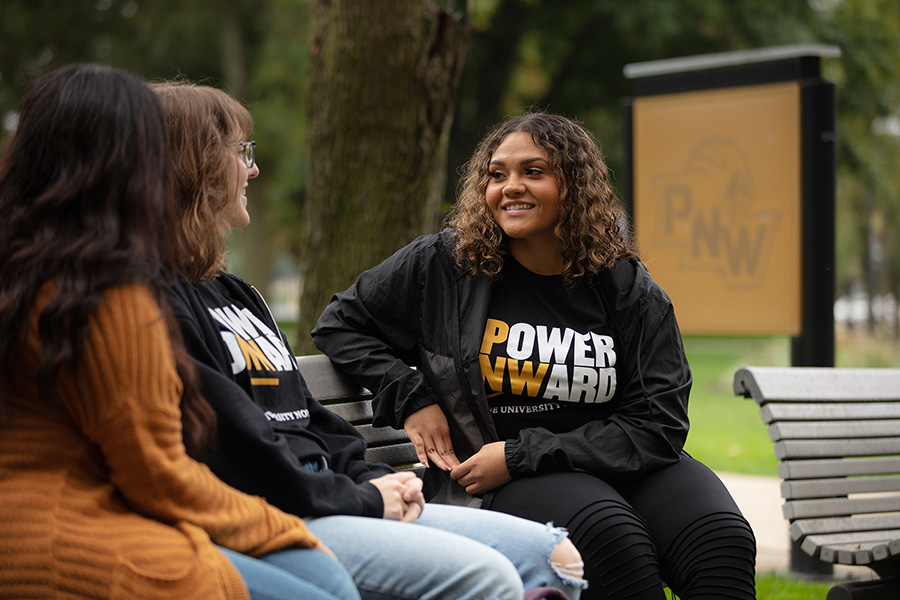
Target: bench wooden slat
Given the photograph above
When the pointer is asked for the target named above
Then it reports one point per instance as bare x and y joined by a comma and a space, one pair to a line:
805, 509
382, 436
778, 411
852, 554
802, 430
858, 545
345, 398
787, 449
817, 384
325, 382
803, 527
823, 488
810, 469
845, 554
396, 456
357, 412
863, 538
883, 552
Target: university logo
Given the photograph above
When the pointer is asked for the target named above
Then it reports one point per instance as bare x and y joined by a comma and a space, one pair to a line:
252, 344
706, 212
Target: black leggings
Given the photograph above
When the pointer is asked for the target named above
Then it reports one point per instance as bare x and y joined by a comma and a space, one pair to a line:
678, 524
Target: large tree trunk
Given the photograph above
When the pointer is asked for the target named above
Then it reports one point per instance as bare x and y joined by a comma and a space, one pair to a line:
383, 81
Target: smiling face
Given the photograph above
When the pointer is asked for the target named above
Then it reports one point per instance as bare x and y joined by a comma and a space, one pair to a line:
523, 195
235, 212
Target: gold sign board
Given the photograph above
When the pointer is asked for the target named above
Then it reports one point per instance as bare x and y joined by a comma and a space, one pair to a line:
717, 206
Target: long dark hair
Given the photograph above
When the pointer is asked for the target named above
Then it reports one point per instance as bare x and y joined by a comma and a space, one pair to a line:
84, 206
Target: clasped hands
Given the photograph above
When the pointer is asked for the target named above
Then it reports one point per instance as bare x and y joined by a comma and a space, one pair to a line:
484, 471
401, 494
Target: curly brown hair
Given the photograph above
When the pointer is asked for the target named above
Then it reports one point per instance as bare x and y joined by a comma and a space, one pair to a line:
201, 122
593, 227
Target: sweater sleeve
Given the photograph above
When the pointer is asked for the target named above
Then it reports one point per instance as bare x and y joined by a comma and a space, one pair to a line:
126, 399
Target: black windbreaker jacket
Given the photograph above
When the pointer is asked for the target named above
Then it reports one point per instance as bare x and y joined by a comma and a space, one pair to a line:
268, 422
410, 330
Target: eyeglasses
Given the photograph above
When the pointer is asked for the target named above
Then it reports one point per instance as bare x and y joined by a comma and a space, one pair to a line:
248, 152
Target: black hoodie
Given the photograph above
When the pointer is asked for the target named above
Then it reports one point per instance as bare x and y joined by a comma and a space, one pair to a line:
268, 422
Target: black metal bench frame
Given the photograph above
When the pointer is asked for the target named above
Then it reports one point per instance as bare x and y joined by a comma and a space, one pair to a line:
837, 437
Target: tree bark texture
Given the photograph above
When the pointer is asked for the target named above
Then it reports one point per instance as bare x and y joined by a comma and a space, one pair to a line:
383, 81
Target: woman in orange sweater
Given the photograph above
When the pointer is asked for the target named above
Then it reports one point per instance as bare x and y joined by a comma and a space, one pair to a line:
99, 496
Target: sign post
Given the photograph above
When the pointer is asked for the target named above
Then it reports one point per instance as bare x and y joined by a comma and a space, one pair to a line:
730, 181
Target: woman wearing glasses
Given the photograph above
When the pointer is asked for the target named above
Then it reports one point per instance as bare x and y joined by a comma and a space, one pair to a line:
276, 441
99, 495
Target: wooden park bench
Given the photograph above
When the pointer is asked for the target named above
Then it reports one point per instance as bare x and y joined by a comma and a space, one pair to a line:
837, 437
343, 396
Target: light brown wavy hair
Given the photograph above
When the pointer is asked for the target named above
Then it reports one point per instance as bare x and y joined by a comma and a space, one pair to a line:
593, 227
201, 122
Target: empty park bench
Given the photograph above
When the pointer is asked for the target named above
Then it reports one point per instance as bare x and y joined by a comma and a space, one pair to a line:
344, 397
837, 437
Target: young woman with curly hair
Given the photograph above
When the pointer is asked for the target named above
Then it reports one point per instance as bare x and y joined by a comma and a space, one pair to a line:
98, 398
590, 229
540, 371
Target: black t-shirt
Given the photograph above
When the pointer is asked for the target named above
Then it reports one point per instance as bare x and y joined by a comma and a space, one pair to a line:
548, 356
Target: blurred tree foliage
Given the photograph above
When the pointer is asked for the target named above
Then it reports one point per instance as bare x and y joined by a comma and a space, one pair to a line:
868, 80
565, 57
568, 58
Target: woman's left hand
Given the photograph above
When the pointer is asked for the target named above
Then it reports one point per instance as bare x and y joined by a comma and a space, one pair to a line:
484, 471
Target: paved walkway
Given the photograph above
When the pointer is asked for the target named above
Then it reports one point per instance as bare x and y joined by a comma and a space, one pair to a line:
759, 498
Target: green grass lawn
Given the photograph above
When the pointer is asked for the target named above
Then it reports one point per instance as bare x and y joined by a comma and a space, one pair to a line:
726, 431
770, 586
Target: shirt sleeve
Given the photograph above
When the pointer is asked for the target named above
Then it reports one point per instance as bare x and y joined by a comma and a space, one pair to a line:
126, 399
347, 449
371, 332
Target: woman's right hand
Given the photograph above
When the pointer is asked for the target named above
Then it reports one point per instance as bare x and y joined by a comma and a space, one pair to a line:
427, 429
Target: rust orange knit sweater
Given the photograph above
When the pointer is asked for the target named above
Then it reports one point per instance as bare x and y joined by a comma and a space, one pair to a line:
99, 499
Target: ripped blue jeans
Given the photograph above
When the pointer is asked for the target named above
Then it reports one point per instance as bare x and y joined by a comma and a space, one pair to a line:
450, 552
